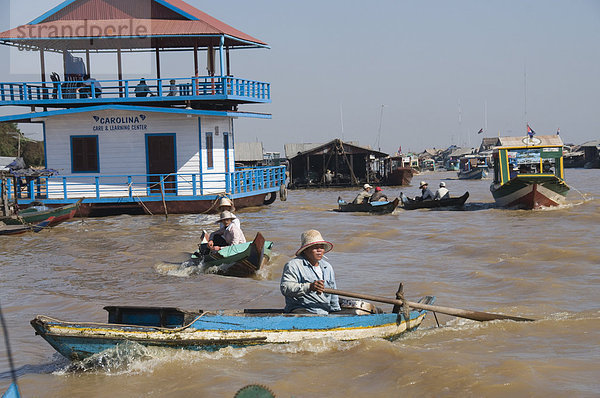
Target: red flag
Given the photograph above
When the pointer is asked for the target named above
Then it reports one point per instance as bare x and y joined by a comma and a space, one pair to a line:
480, 131
530, 131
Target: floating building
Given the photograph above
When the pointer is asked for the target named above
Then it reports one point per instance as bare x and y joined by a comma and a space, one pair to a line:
154, 145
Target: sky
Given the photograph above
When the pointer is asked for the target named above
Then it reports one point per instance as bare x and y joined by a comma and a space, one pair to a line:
391, 73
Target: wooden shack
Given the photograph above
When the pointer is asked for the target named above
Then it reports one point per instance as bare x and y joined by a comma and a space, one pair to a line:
335, 163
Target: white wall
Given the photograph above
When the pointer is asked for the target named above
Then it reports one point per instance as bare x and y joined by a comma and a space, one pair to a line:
122, 148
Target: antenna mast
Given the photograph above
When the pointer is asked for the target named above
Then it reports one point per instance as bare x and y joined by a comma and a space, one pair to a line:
379, 132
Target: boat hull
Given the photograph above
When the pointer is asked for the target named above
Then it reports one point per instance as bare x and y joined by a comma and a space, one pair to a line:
530, 192
215, 330
372, 207
473, 174
241, 261
458, 202
400, 176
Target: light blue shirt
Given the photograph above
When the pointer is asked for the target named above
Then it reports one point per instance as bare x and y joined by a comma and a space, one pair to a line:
297, 276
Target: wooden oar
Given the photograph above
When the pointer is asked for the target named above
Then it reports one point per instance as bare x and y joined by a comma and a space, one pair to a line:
468, 314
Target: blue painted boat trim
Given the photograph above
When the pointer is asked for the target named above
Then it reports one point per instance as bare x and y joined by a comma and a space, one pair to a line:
72, 111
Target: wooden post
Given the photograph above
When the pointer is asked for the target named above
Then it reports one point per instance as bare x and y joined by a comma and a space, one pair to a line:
196, 67
87, 62
120, 71
157, 63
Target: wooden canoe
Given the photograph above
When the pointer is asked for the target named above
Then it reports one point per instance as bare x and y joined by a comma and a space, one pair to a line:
22, 228
212, 330
241, 260
456, 202
371, 207
35, 214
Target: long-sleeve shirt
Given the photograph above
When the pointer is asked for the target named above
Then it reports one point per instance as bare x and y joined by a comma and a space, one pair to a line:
442, 193
297, 276
233, 234
362, 197
426, 194
377, 196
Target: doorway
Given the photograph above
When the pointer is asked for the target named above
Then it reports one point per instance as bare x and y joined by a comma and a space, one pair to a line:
160, 159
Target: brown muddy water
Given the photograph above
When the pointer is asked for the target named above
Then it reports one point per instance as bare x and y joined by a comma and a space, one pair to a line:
542, 264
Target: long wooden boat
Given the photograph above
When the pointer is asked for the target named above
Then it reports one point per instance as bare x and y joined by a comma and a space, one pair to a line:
242, 260
528, 172
412, 204
23, 228
380, 207
212, 330
35, 214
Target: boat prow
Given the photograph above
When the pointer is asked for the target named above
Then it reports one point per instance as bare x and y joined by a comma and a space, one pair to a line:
242, 260
380, 207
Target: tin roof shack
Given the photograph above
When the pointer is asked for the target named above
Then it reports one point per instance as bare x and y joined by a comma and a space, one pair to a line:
591, 155
249, 154
335, 163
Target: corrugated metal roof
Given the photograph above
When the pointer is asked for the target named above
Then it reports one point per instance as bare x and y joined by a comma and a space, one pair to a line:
292, 150
461, 152
248, 151
595, 143
5, 161
324, 147
537, 140
148, 19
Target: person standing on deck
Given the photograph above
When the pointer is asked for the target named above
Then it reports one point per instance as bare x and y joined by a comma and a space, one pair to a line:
442, 192
305, 276
228, 234
426, 193
378, 195
364, 195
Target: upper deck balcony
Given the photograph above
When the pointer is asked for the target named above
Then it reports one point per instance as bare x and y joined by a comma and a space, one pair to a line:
158, 92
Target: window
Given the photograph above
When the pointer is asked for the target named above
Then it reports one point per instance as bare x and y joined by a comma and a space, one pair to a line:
84, 154
209, 151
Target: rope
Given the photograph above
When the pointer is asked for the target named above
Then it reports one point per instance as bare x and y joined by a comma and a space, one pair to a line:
13, 373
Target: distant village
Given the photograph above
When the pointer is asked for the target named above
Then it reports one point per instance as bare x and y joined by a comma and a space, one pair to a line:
347, 163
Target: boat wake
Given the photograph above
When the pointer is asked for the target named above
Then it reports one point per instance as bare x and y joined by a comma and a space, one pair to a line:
119, 359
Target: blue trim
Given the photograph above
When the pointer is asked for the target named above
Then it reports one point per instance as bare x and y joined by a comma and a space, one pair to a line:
72, 111
56, 9
177, 10
212, 151
97, 154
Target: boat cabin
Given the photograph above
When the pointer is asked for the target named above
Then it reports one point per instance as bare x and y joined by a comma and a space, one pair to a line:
518, 156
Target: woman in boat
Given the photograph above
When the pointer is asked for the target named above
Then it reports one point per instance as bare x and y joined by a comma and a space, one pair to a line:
226, 204
228, 234
305, 276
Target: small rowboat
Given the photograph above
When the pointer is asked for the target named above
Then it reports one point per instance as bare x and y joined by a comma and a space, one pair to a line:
35, 214
379, 207
411, 204
22, 228
241, 260
212, 330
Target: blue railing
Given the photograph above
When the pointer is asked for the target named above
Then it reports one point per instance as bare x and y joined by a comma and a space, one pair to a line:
111, 188
111, 91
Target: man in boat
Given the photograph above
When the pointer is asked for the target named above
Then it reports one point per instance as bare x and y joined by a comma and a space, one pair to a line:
442, 192
305, 276
426, 193
364, 195
228, 234
378, 195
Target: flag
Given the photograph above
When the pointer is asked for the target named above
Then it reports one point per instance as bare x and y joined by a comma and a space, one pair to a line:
480, 131
530, 131
557, 131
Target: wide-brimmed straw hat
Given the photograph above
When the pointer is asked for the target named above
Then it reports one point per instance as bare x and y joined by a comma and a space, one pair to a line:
313, 237
367, 186
225, 202
422, 184
226, 215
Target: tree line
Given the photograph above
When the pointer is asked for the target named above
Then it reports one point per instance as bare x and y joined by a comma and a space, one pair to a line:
32, 152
